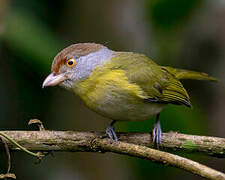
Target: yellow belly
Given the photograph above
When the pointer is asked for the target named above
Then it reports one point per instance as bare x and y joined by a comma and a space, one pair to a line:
113, 96
119, 109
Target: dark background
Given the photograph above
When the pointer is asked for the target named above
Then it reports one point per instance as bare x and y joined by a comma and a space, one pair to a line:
187, 34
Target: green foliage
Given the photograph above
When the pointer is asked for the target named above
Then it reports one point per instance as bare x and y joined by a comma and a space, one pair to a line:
167, 14
29, 38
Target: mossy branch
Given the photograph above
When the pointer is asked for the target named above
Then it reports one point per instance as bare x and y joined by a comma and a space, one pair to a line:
132, 144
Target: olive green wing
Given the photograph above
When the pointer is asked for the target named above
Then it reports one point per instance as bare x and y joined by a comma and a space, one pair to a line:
158, 84
173, 92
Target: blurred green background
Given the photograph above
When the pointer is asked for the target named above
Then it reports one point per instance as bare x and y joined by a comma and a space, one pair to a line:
187, 34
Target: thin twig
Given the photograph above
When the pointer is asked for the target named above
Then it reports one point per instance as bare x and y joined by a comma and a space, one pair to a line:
9, 175
37, 122
38, 155
8, 155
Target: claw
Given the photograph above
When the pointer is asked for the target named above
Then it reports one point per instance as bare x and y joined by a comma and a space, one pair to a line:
111, 132
157, 133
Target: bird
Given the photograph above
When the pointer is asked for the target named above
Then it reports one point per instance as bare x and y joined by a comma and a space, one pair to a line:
121, 86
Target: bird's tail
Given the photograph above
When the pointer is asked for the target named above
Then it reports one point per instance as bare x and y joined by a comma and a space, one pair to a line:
186, 74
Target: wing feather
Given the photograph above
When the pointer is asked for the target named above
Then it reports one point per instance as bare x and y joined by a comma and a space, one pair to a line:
159, 85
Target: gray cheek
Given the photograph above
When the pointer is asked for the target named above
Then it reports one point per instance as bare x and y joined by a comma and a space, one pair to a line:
86, 64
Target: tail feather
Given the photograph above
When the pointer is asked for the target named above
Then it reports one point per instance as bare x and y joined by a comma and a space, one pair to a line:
186, 74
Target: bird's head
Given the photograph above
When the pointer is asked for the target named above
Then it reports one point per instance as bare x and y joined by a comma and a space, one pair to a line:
76, 63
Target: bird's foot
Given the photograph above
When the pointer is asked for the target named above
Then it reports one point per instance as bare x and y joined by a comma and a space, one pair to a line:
111, 133
156, 134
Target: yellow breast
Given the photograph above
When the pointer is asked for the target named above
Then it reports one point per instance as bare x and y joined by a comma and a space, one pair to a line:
109, 93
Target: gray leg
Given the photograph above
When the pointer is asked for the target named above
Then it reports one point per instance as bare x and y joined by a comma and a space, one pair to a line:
157, 132
111, 132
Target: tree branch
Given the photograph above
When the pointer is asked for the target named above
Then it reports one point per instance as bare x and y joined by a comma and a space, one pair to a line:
79, 141
160, 157
133, 144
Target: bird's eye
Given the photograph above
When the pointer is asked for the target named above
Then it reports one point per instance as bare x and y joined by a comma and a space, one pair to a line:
70, 63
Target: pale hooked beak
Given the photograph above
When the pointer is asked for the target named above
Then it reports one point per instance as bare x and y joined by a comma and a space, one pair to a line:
53, 80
